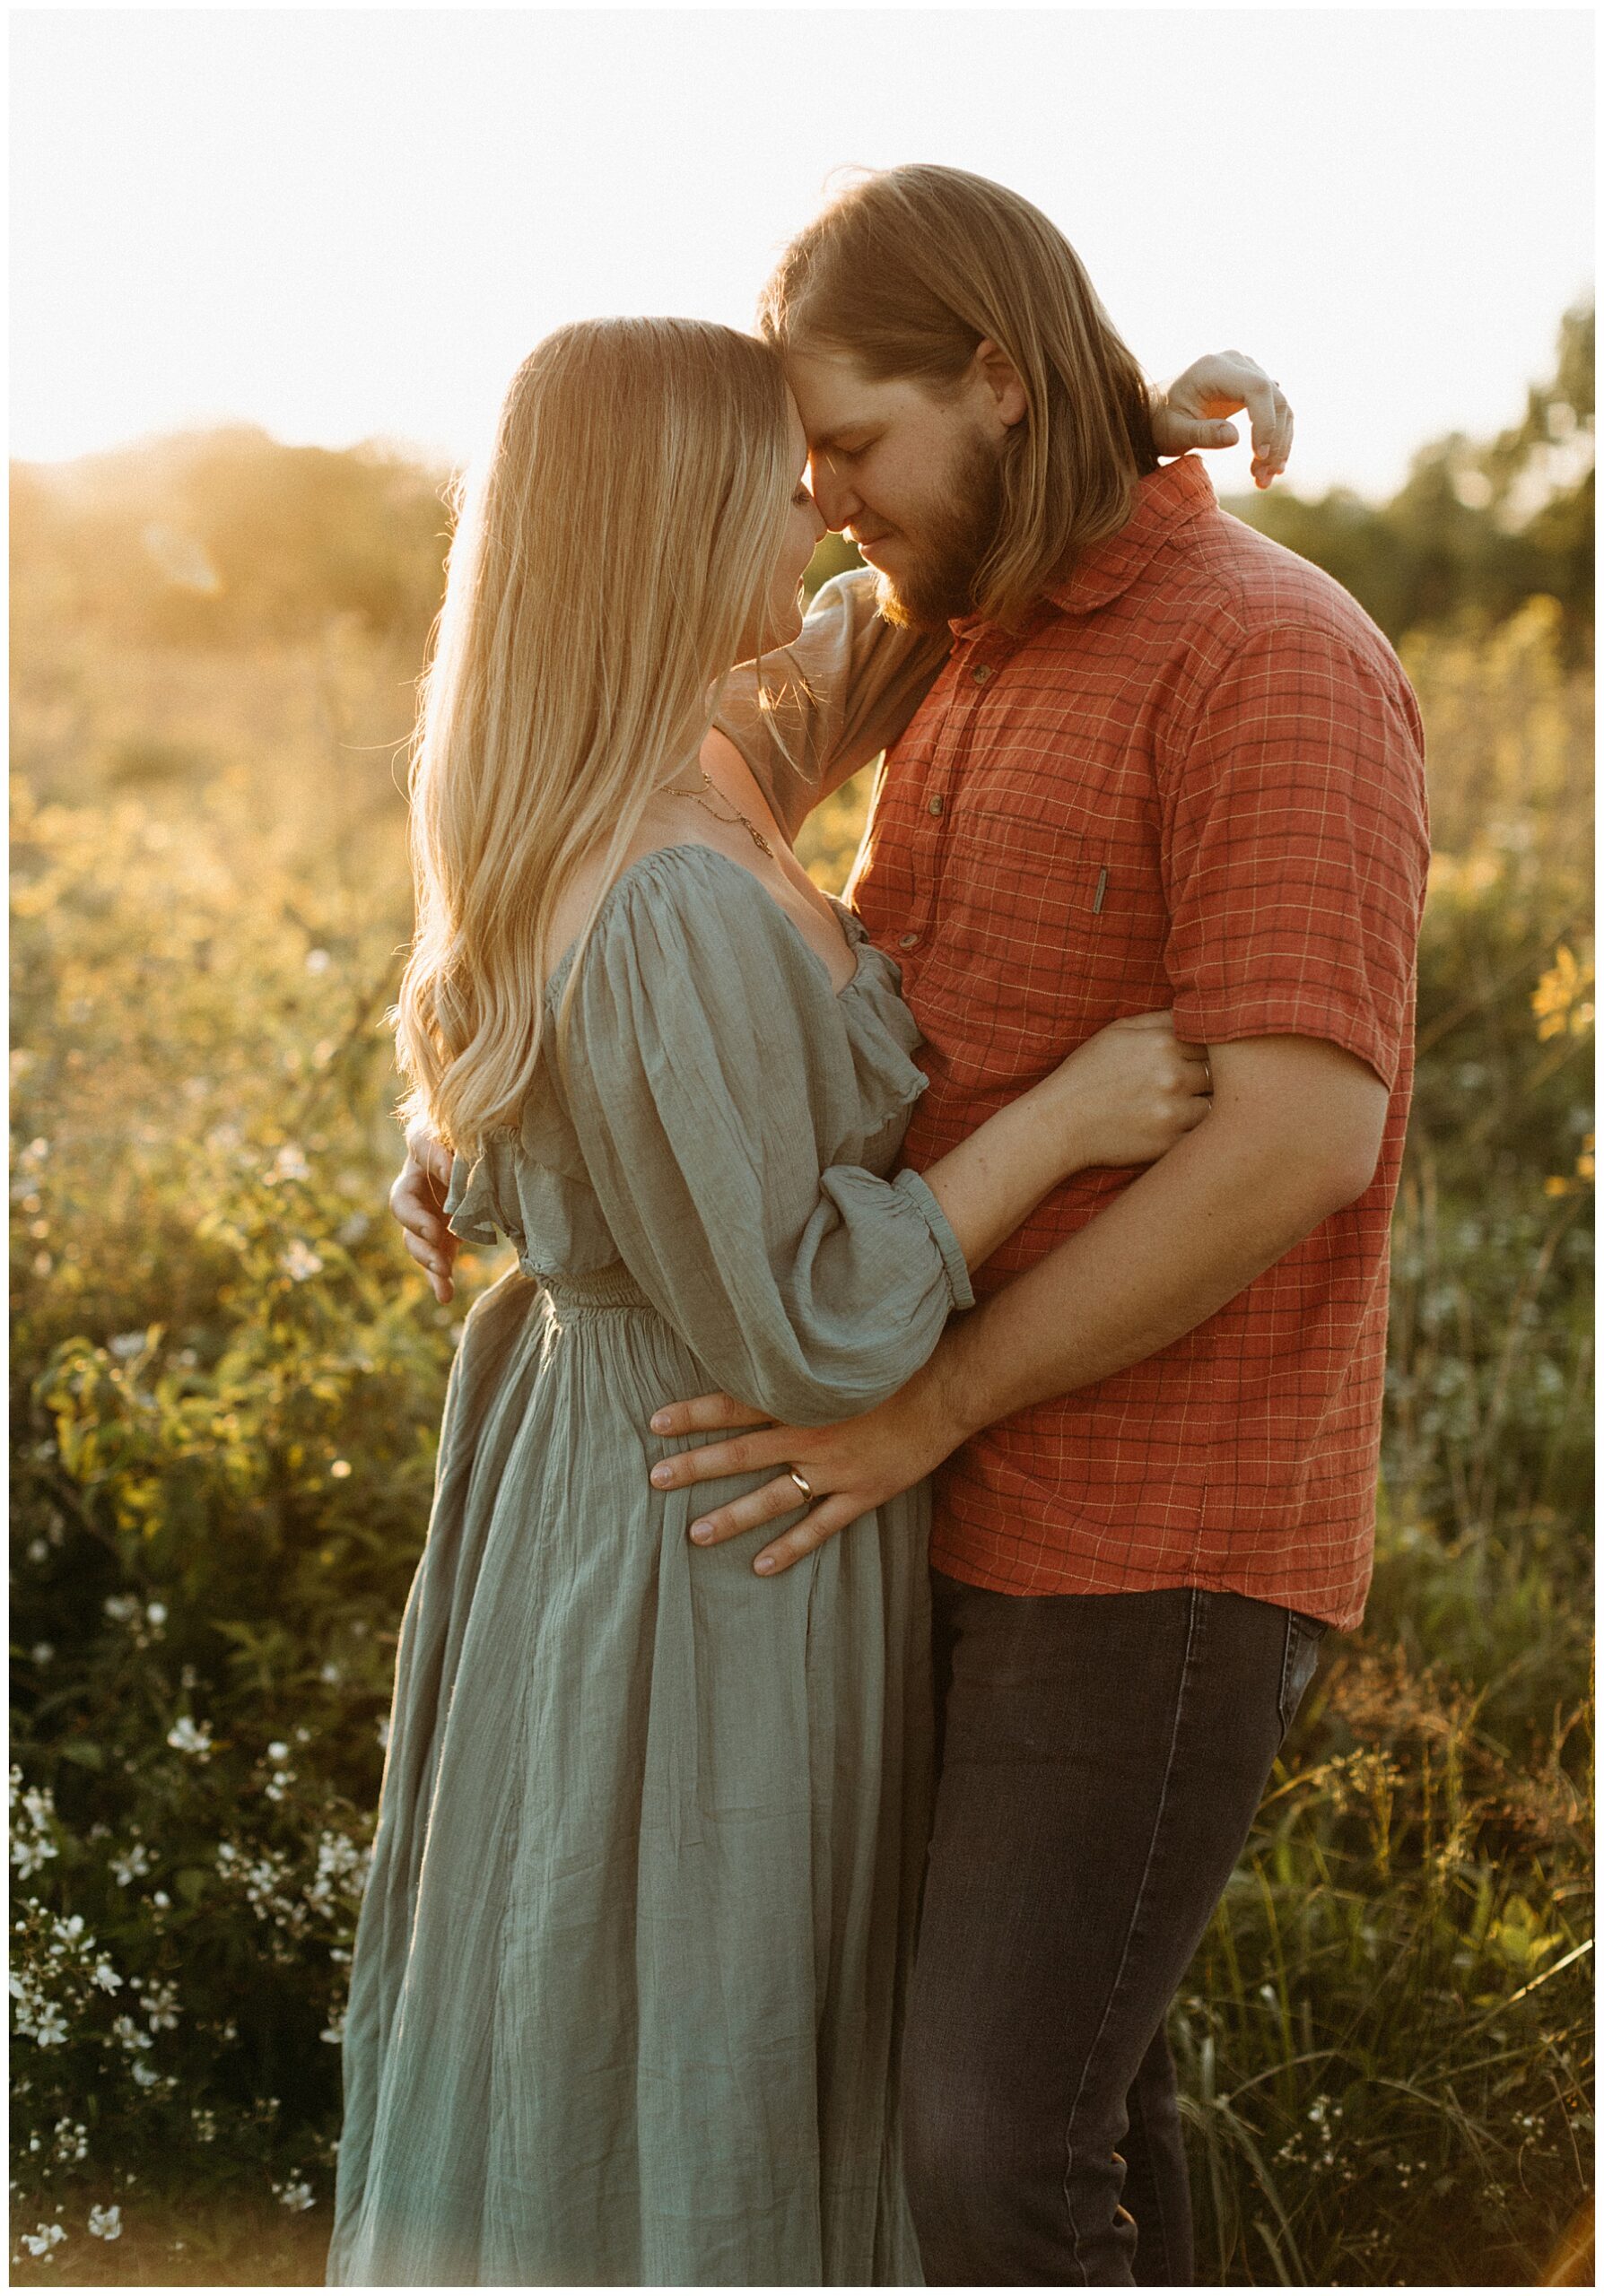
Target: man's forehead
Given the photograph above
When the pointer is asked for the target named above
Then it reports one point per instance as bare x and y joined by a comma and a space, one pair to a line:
833, 396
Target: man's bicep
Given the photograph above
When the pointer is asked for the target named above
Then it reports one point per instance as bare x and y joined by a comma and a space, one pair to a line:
1323, 1103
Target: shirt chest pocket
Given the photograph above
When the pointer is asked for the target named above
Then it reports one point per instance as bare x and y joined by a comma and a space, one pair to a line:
1044, 933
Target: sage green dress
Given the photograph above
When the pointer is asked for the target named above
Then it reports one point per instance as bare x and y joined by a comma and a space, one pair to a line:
628, 1982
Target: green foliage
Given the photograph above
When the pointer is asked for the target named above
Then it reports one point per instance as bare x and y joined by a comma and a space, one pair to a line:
1385, 2044
1475, 530
226, 1384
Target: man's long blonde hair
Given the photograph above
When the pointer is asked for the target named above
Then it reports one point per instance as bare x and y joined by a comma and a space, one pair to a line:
907, 271
607, 560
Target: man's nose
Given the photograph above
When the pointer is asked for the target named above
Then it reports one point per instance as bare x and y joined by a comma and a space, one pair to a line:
834, 494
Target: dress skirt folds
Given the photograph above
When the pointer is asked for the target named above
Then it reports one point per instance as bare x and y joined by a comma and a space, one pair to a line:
628, 1984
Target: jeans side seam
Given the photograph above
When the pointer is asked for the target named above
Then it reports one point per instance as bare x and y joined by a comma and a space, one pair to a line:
1198, 1595
1158, 2192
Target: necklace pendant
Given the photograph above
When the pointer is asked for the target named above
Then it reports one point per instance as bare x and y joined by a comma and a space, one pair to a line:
699, 797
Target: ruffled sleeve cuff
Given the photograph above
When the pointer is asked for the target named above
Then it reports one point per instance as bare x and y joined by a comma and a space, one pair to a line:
472, 1211
918, 1192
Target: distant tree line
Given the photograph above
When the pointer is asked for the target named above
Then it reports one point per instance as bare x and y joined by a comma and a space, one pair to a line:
225, 538
1476, 528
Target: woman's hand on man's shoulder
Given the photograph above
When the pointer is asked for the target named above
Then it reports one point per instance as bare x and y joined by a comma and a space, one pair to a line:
1194, 412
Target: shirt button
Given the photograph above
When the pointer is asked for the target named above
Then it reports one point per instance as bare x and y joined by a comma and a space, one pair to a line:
935, 803
983, 671
908, 941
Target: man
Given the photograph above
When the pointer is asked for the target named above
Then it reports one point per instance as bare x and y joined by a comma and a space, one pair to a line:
1164, 762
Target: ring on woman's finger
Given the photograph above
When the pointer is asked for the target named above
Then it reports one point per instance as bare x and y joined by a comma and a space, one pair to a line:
802, 1484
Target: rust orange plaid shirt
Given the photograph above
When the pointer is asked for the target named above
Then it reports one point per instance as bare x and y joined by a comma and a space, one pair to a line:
1194, 776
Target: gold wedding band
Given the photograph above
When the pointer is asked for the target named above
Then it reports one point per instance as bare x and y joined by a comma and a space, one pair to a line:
801, 1481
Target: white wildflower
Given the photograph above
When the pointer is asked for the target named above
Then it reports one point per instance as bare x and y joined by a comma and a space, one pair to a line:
334, 2032
295, 2195
72, 2140
67, 1929
106, 2224
124, 2030
156, 1612
106, 1976
290, 1164
300, 1261
32, 1846
146, 2076
51, 2029
42, 1653
188, 1737
41, 2243
129, 1864
160, 2006
205, 2125
276, 1750
121, 1607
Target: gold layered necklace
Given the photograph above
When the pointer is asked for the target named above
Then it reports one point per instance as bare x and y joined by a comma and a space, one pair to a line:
700, 797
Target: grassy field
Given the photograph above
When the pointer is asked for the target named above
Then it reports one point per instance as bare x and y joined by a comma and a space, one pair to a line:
226, 1382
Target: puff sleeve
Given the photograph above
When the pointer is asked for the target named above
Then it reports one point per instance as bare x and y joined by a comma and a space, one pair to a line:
714, 1094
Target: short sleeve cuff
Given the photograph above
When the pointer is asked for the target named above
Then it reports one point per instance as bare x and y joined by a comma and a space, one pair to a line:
918, 1192
1353, 1027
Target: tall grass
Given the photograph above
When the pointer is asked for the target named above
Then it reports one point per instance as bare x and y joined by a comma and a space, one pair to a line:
226, 1382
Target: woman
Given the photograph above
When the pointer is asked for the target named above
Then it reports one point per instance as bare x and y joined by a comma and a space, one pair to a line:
628, 1980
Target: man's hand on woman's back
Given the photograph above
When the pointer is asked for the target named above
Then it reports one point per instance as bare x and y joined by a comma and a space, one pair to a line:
418, 1201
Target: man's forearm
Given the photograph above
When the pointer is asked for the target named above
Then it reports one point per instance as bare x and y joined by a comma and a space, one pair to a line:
824, 706
1180, 1241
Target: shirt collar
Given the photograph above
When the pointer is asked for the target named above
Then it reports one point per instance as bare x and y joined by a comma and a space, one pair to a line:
1166, 498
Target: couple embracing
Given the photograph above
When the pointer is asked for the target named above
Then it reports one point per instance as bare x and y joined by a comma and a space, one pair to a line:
803, 1798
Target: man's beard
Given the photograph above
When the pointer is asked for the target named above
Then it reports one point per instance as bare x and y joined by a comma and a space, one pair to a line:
938, 588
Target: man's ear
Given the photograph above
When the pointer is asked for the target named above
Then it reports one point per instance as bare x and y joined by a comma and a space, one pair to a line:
997, 371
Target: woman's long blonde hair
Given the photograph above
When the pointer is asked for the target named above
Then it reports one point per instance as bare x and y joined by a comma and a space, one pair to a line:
906, 270
606, 563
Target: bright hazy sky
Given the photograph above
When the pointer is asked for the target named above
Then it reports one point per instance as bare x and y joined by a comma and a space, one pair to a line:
353, 222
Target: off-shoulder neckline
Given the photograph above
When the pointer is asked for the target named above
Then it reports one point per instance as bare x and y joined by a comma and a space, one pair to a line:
856, 931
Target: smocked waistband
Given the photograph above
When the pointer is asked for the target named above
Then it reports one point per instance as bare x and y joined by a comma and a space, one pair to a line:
597, 1291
